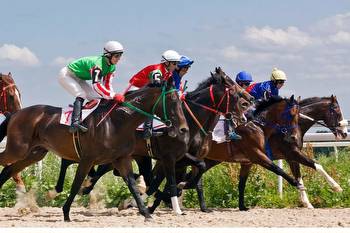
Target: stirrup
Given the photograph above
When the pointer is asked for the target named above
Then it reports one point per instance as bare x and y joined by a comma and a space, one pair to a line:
147, 134
77, 126
233, 136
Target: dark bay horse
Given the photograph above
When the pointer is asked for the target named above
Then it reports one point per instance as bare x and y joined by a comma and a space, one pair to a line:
312, 110
276, 116
10, 102
215, 96
33, 131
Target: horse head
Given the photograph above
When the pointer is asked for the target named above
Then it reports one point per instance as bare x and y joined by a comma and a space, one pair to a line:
10, 98
334, 118
241, 100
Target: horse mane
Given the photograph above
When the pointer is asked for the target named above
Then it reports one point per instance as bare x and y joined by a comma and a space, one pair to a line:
261, 106
202, 85
311, 100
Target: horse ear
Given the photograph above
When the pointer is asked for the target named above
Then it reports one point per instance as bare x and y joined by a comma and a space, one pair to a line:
334, 98
299, 99
211, 74
10, 74
292, 98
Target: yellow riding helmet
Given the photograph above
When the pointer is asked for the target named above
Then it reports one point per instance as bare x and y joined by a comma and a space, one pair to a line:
278, 75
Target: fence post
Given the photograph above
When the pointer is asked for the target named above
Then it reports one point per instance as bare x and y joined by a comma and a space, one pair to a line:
280, 179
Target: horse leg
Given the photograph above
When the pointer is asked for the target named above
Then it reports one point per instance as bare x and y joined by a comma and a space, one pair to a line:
243, 176
169, 170
199, 164
20, 187
94, 177
32, 157
262, 159
82, 170
295, 168
296, 155
124, 166
59, 185
199, 186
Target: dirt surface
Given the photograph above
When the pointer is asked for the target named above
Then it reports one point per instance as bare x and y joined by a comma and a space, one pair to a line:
82, 217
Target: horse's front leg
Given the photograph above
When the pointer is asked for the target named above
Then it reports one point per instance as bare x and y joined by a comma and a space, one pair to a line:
59, 185
169, 170
82, 170
124, 166
295, 169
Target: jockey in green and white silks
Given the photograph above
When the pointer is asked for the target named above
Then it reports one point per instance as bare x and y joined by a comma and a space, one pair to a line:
99, 69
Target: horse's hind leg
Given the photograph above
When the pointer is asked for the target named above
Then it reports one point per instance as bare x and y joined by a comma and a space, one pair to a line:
94, 177
243, 176
9, 171
295, 168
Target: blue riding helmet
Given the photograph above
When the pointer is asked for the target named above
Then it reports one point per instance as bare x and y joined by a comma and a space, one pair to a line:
244, 76
184, 61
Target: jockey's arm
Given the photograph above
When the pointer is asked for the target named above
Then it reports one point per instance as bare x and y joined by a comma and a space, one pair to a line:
102, 85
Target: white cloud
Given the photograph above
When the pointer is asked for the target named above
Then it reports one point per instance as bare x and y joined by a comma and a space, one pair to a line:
62, 61
270, 37
340, 37
339, 22
10, 52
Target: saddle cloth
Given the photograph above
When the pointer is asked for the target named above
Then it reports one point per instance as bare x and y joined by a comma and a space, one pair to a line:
156, 125
219, 132
66, 114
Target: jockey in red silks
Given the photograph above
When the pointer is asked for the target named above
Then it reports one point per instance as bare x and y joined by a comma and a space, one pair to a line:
99, 69
161, 71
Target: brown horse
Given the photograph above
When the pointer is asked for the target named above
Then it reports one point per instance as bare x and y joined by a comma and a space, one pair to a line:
34, 130
224, 95
276, 116
10, 102
312, 111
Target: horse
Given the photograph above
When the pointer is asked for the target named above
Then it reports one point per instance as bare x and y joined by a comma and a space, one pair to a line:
312, 110
10, 102
33, 131
275, 116
220, 91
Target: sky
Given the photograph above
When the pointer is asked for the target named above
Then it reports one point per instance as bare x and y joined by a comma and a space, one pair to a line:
309, 40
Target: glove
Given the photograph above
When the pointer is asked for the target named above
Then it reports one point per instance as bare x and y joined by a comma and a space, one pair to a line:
119, 98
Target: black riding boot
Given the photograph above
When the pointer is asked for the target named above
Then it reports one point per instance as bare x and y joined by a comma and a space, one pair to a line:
147, 129
76, 116
229, 130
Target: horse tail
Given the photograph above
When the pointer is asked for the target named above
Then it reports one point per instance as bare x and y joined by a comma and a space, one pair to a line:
3, 126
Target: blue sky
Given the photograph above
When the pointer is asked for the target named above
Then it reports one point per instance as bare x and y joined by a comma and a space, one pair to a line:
309, 40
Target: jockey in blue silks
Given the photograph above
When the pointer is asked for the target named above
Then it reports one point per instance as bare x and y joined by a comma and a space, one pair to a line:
243, 79
182, 68
264, 90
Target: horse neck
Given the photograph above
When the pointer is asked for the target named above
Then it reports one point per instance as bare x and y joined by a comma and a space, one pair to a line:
207, 118
314, 110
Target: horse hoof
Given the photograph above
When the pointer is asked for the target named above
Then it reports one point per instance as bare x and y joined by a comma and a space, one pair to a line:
181, 185
243, 208
310, 206
148, 218
337, 189
51, 194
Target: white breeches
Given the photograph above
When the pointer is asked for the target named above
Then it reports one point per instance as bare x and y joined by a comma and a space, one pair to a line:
76, 86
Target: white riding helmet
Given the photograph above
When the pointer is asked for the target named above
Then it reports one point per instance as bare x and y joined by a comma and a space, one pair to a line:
278, 75
170, 55
112, 47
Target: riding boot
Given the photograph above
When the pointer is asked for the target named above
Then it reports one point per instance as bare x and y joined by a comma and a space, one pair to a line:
76, 116
147, 129
230, 132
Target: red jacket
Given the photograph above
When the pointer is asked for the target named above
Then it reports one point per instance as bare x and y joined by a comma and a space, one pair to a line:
148, 73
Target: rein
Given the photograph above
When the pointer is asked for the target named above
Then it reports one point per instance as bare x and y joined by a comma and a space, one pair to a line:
3, 95
215, 107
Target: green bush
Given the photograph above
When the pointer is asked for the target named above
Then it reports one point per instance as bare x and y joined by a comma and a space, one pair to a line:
220, 186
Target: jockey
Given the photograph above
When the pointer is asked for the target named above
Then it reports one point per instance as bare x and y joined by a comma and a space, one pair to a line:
243, 79
99, 69
161, 71
264, 90
182, 68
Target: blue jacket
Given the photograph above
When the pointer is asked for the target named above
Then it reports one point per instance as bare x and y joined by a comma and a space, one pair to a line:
177, 80
258, 90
